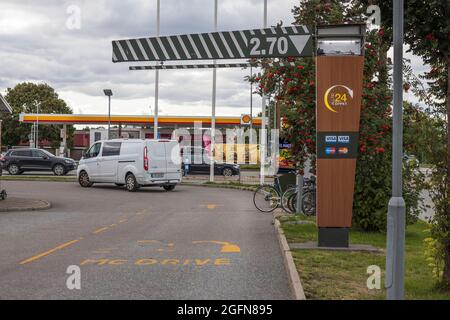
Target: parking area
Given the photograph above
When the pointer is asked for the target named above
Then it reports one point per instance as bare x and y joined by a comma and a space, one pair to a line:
192, 243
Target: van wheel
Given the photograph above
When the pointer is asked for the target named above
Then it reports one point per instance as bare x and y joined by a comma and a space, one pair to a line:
169, 188
83, 180
131, 183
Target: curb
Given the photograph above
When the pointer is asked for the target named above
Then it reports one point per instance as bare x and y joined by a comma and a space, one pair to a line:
45, 205
294, 278
224, 186
66, 179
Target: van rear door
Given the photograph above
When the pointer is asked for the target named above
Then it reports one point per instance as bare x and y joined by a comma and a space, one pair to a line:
157, 166
173, 160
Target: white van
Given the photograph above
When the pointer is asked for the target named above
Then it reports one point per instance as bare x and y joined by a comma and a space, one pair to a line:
131, 162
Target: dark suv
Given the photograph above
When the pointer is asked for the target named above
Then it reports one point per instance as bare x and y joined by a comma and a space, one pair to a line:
17, 161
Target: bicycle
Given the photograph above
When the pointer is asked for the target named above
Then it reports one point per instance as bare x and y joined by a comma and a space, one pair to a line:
267, 197
308, 201
309, 198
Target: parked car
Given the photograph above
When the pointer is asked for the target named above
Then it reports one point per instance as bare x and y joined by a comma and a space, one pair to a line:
17, 161
198, 160
132, 163
411, 159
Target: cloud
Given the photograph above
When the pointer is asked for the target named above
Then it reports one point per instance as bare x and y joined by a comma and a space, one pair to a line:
36, 45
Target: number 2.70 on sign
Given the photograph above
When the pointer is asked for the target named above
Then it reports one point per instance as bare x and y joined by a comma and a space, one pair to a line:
279, 45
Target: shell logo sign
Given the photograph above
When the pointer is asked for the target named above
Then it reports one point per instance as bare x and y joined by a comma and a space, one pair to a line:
246, 119
337, 96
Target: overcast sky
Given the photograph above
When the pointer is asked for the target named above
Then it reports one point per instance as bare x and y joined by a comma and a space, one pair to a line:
39, 42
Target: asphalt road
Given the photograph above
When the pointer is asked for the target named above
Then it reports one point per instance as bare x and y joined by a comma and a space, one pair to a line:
192, 243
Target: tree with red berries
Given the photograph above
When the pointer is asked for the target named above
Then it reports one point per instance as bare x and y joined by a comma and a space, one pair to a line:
427, 33
294, 91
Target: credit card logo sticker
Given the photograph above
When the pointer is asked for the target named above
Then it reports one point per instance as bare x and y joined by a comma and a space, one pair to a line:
343, 150
344, 139
330, 150
330, 139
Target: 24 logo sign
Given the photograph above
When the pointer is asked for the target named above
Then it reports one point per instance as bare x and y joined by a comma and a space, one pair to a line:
337, 96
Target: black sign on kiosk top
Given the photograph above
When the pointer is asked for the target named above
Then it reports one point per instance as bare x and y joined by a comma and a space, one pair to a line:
337, 145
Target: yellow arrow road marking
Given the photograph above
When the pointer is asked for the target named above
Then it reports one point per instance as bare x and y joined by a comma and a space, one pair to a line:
227, 247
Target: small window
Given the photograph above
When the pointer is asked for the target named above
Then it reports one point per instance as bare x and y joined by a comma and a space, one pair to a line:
97, 136
39, 154
111, 149
21, 153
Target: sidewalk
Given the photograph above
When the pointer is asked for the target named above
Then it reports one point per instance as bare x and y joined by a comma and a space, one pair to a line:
23, 204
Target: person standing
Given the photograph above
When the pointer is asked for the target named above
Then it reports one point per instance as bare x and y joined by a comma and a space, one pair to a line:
187, 163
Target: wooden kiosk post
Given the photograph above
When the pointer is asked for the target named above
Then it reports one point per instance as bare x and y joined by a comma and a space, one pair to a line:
339, 72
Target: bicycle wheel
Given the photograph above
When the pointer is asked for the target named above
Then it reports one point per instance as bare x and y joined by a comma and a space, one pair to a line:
292, 203
309, 203
286, 199
266, 198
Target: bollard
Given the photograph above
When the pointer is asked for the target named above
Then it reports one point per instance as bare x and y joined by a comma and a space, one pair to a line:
298, 203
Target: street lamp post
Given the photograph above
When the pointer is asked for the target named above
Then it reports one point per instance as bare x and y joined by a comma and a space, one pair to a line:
36, 141
1, 121
396, 209
155, 118
213, 109
263, 134
108, 93
251, 106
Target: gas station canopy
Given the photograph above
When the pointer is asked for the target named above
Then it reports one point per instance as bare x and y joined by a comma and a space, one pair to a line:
130, 119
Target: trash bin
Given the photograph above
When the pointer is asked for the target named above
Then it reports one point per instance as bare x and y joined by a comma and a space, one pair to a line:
287, 180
